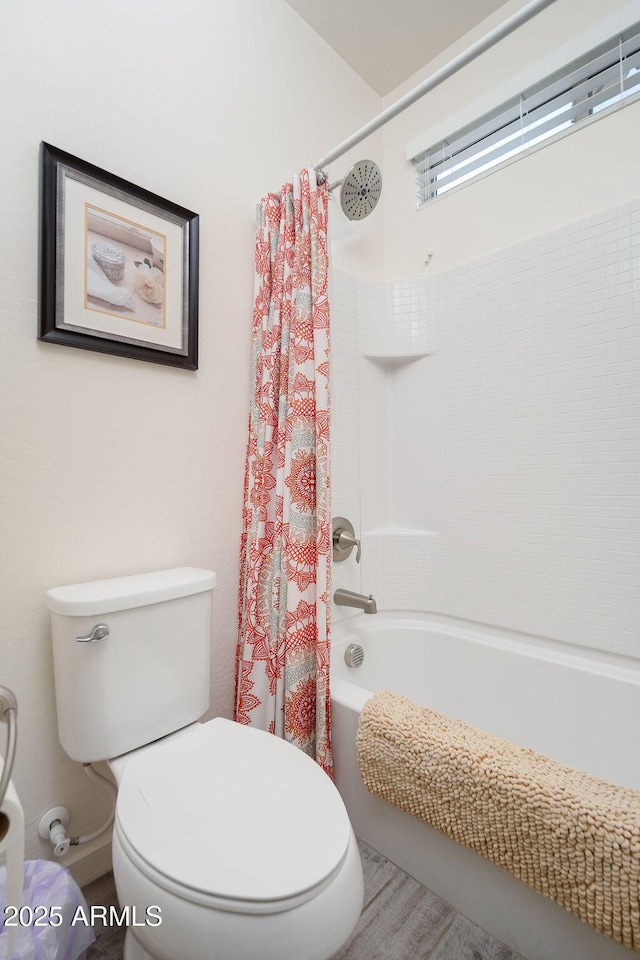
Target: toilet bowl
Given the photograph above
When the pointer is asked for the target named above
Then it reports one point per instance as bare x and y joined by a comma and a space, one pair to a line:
228, 843
240, 842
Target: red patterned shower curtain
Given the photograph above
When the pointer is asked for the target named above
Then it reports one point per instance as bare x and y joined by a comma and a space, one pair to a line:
282, 682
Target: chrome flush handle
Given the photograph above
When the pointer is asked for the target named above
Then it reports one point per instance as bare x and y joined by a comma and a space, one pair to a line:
99, 632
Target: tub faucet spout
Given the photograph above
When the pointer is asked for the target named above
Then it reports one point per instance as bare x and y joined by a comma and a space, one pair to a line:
347, 598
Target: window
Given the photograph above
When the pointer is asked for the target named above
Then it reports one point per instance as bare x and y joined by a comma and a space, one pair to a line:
587, 87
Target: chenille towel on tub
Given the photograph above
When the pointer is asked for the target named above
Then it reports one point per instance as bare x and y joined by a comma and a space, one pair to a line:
568, 835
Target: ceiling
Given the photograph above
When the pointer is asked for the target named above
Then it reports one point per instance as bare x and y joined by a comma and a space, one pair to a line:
386, 41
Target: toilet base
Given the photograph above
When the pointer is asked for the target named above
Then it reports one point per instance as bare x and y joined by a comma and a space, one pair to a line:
133, 949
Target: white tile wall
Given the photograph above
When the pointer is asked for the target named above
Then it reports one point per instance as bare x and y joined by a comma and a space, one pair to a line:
392, 318
345, 420
402, 568
539, 350
344, 397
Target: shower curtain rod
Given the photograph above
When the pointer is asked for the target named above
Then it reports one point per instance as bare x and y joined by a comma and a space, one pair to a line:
431, 82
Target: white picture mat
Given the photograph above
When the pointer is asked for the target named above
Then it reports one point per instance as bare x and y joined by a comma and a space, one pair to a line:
76, 194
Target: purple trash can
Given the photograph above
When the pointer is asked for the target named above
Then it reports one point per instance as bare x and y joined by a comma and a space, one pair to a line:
54, 922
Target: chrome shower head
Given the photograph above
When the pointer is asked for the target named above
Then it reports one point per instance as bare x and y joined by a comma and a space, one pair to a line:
360, 190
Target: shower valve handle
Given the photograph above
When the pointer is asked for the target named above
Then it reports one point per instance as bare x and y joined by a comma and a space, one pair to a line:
344, 539
347, 541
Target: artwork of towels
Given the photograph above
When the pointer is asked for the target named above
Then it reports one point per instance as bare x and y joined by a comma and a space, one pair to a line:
100, 287
37, 883
573, 837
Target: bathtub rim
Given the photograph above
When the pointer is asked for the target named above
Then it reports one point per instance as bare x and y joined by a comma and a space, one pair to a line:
616, 666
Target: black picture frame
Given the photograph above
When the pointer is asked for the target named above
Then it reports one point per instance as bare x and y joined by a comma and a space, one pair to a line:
118, 265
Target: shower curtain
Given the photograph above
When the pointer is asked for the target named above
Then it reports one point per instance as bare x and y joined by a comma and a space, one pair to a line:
282, 680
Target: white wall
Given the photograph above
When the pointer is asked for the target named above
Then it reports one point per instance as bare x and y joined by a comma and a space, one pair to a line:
113, 466
589, 171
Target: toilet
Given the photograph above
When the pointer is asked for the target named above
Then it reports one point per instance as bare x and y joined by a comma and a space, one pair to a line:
228, 842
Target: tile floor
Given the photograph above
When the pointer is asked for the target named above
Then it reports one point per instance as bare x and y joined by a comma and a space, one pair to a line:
401, 920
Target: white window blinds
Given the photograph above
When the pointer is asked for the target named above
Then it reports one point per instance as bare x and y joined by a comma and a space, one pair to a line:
586, 87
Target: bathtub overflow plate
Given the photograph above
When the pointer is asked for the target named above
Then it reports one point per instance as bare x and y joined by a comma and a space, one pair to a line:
354, 655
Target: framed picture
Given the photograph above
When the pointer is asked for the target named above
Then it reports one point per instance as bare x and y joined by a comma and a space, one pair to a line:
118, 265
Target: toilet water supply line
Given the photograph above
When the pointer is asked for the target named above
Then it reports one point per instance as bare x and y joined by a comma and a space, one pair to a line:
58, 830
98, 778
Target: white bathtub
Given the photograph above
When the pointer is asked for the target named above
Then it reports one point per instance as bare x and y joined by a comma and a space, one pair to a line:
578, 706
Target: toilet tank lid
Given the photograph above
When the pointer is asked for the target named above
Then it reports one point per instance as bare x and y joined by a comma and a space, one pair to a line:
123, 593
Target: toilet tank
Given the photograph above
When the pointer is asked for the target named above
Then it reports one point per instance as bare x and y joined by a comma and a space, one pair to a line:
148, 677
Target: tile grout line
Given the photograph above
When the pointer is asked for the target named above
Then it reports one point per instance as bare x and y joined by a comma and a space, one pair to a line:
445, 929
377, 894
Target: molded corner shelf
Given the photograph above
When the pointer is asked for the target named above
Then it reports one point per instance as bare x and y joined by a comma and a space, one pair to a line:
401, 532
395, 360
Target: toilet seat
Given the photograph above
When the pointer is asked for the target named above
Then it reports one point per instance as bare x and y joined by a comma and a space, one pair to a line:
233, 818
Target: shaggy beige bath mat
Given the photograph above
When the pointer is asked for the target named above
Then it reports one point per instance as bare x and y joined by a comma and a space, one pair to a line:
570, 836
